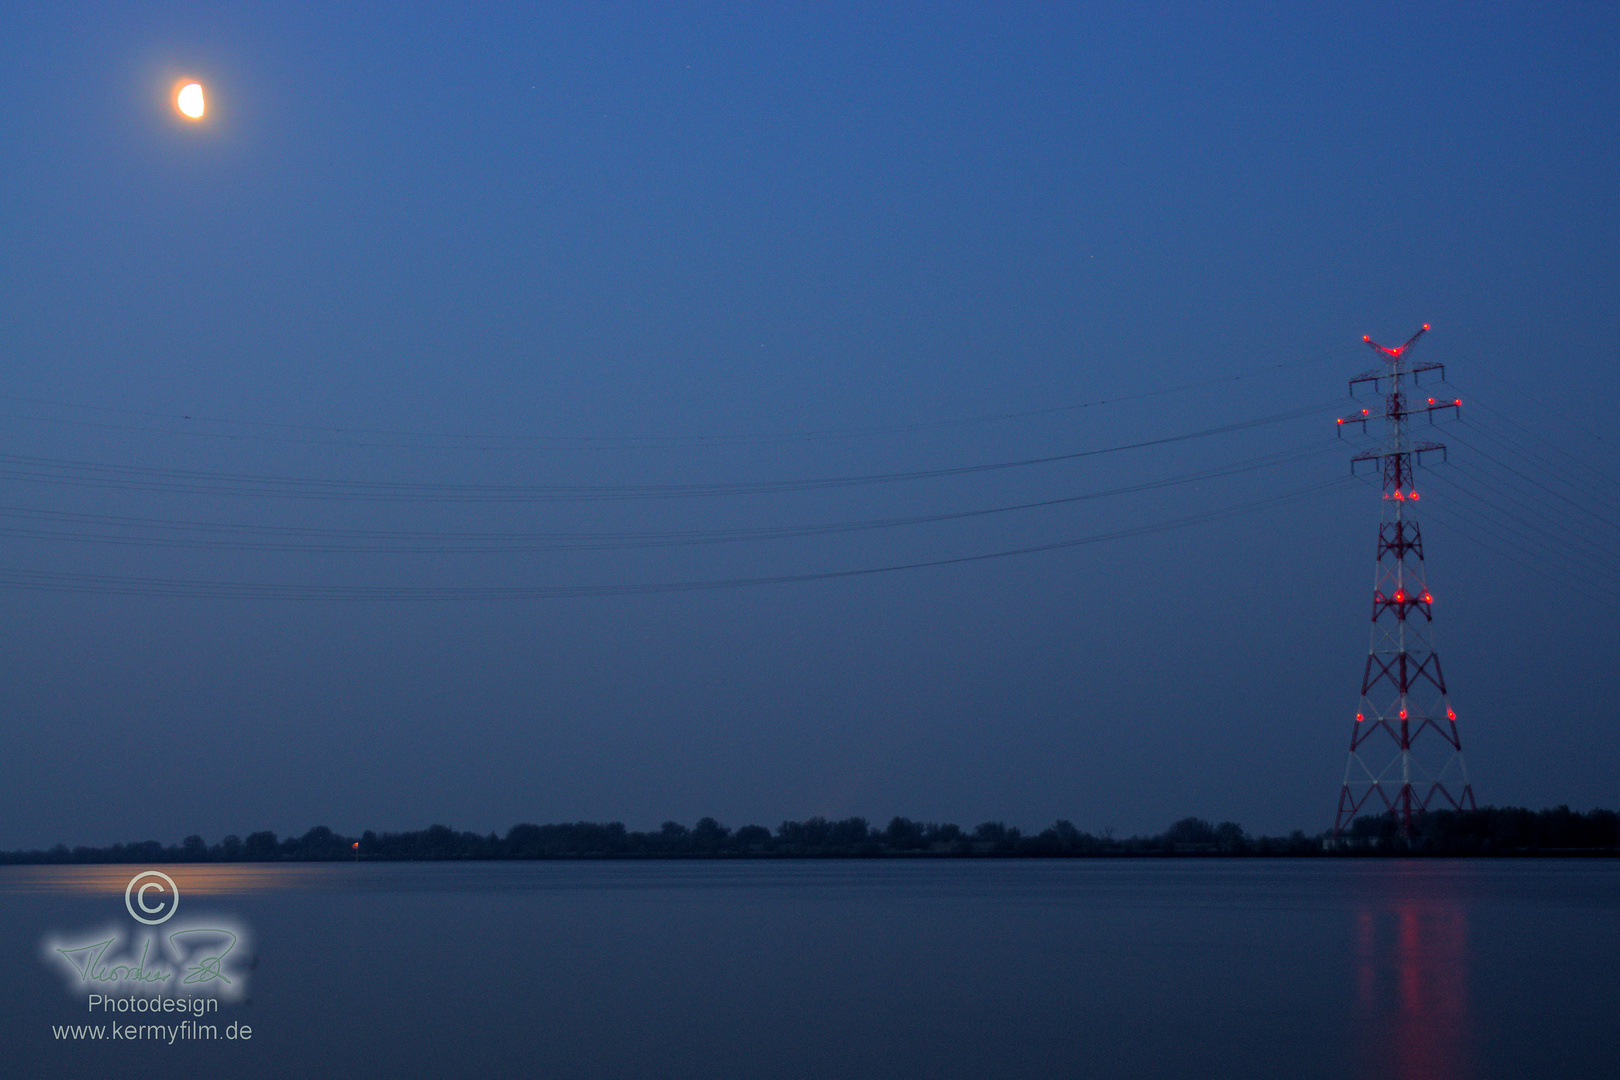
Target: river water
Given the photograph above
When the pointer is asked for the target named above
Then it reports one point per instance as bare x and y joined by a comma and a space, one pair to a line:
1420, 969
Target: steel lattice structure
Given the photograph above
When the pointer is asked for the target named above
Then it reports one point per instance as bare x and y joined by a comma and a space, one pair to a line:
1404, 745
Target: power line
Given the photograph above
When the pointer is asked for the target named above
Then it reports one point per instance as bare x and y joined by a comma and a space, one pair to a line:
107, 584
1562, 549
191, 481
1536, 485
1585, 538
308, 539
1579, 582
474, 441
1597, 485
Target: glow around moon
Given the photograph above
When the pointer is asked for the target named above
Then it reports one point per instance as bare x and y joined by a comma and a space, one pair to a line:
190, 100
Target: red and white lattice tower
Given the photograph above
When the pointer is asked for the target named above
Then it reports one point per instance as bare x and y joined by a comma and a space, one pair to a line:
1404, 746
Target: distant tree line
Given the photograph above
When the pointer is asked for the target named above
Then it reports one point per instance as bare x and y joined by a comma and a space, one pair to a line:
1495, 830
1492, 831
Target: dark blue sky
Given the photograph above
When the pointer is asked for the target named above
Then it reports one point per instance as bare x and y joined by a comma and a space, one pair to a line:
464, 307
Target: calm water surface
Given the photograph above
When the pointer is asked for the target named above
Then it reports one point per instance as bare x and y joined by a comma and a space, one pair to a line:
972, 969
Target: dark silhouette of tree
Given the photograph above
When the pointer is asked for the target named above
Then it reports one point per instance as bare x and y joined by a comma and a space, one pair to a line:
1488, 831
709, 835
903, 834
995, 836
850, 833
752, 838
1190, 832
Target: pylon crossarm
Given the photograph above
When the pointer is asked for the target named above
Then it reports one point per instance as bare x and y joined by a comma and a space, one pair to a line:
1433, 406
1417, 371
1374, 376
1395, 353
1429, 448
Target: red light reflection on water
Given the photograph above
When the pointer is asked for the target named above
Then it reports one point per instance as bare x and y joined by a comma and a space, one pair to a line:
1412, 988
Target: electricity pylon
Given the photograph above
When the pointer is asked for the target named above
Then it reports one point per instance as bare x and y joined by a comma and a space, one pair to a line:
1403, 691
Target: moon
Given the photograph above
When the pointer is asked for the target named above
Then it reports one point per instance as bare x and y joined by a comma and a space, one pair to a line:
190, 100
